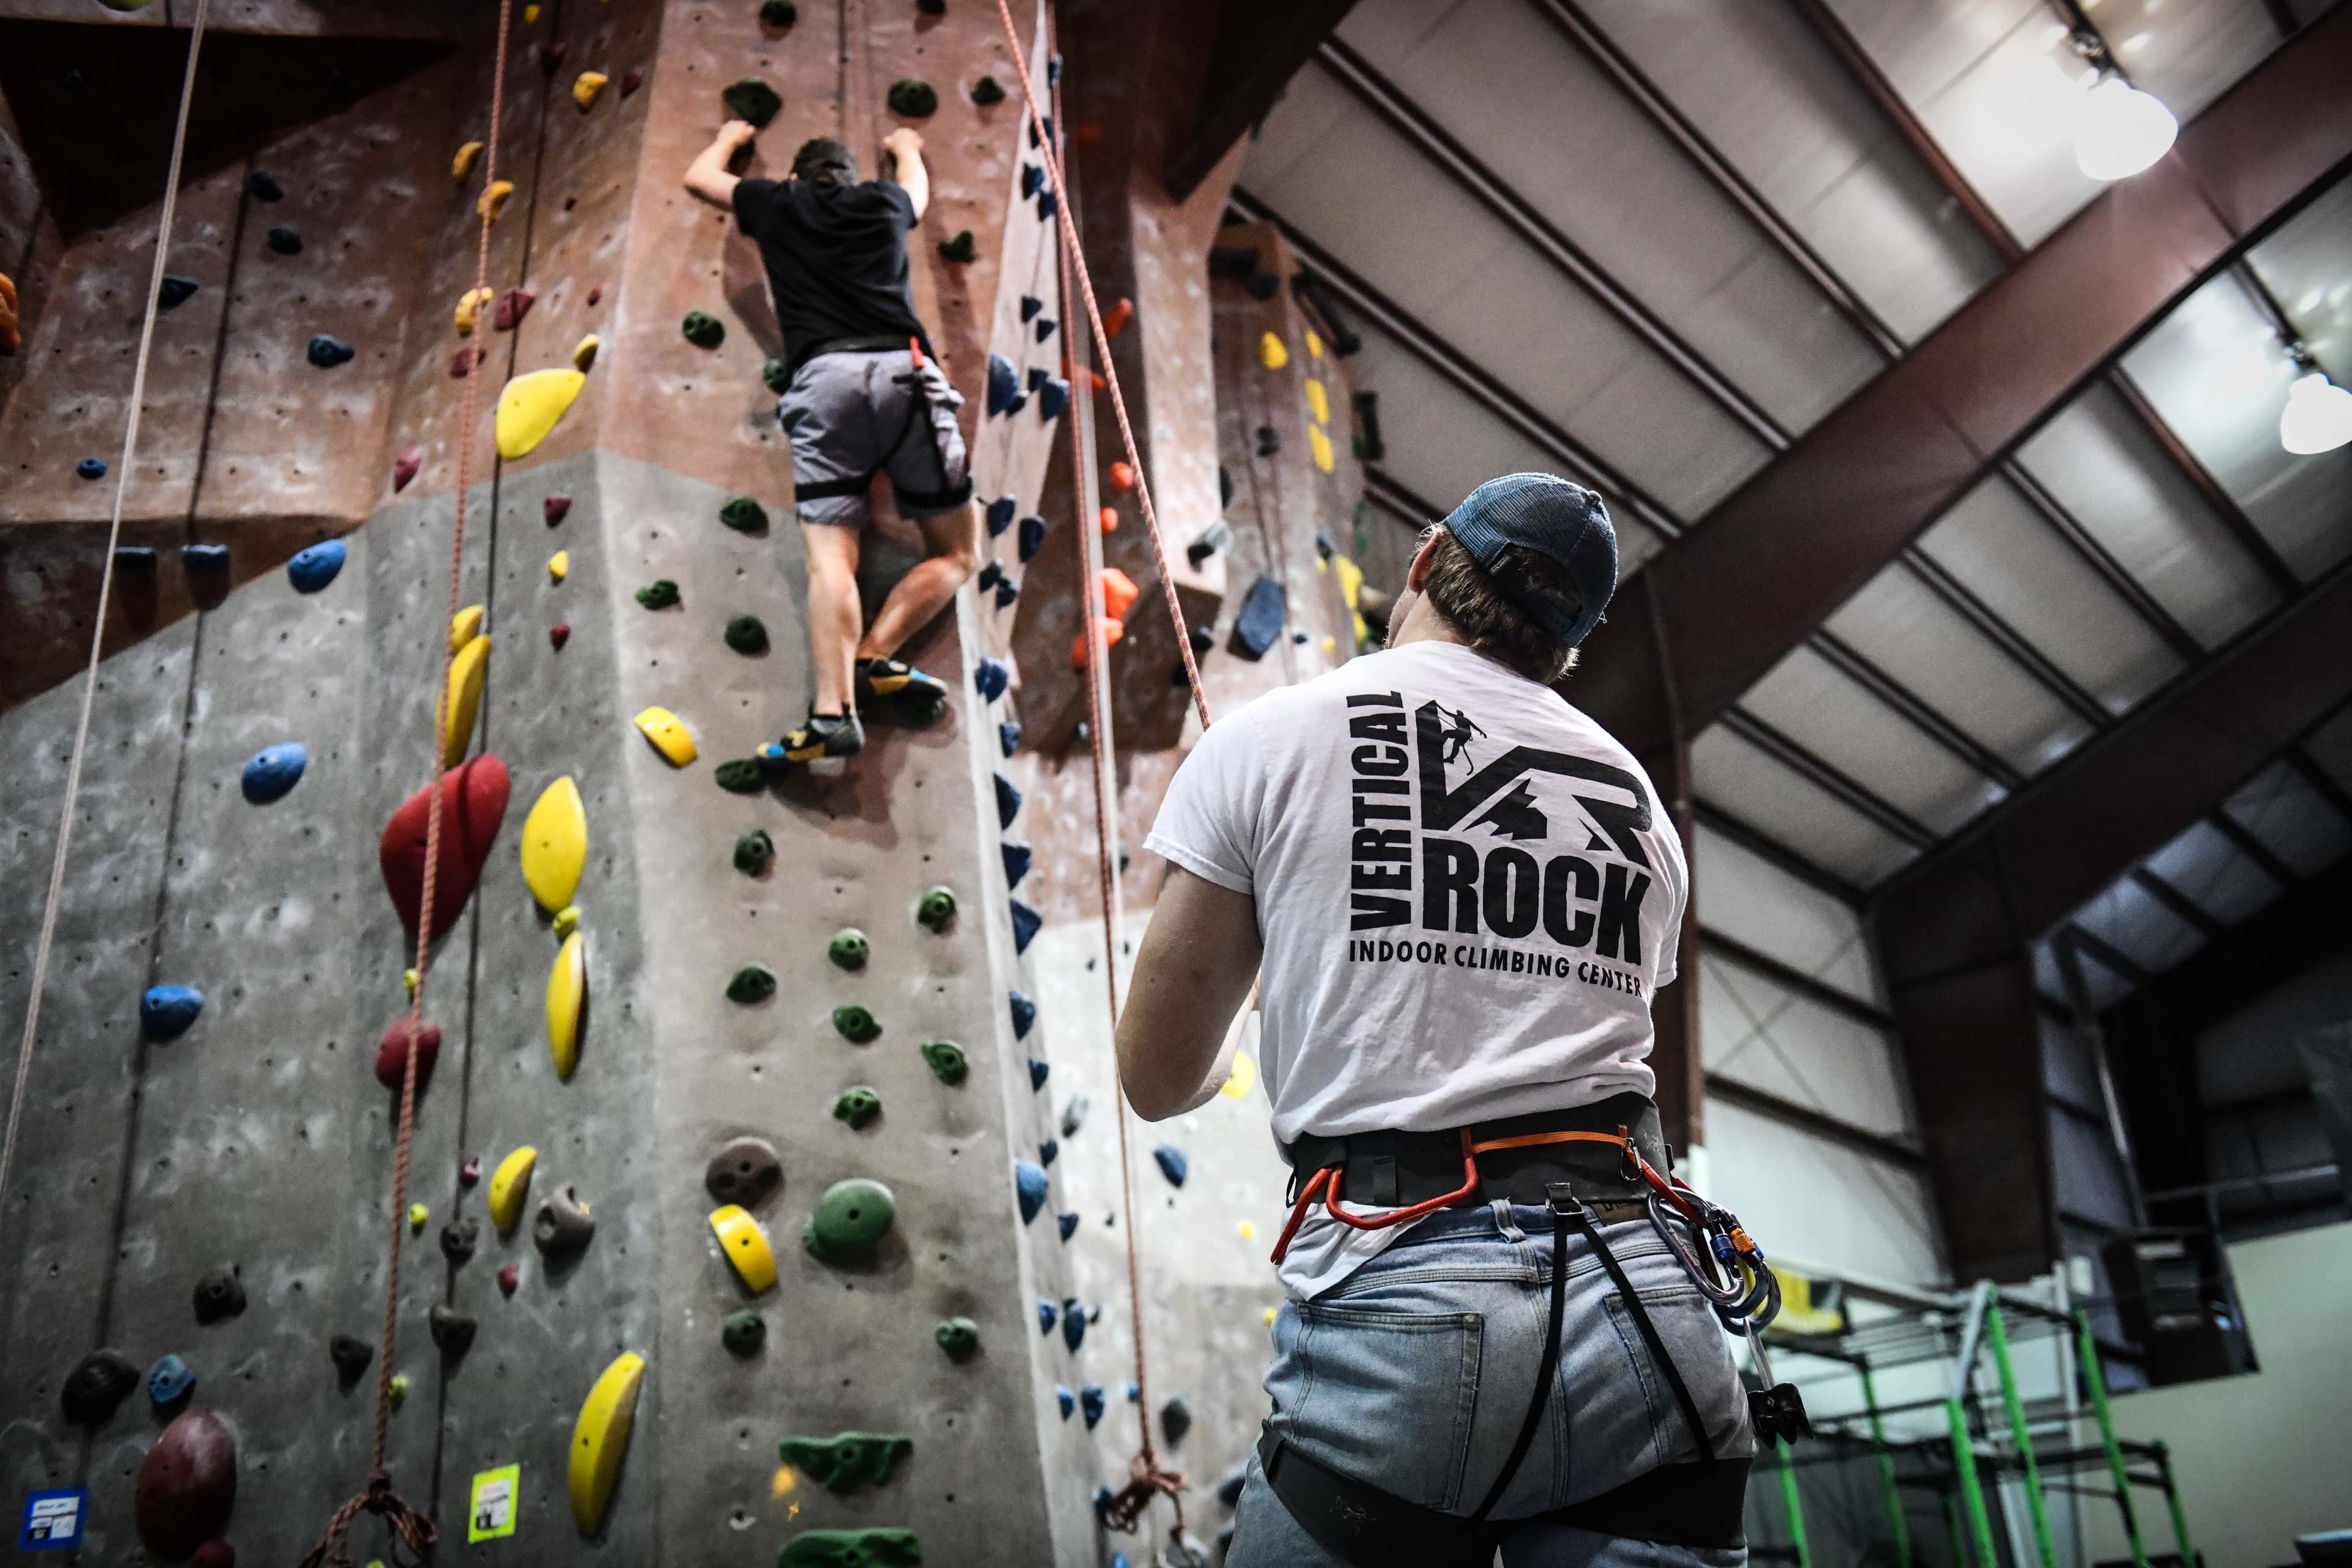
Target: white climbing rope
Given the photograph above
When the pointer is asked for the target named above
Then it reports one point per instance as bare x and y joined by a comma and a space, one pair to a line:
98, 621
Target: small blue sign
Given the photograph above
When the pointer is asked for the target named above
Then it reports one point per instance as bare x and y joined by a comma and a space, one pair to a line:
53, 1520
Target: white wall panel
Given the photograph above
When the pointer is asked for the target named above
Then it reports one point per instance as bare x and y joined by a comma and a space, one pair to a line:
1753, 901
1819, 1205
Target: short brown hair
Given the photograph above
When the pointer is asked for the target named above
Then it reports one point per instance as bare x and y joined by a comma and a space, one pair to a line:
1466, 596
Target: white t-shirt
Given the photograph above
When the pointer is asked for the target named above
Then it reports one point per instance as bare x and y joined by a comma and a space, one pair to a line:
1467, 890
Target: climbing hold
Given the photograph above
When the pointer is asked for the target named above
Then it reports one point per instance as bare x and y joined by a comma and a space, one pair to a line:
1271, 352
1115, 320
459, 1239
465, 625
937, 908
1000, 514
1025, 921
1017, 858
327, 353
1175, 1419
188, 1485
91, 468
1029, 1186
752, 984
779, 13
174, 291
202, 558
850, 1221
742, 775
1045, 330
1209, 540
991, 677
1259, 624
509, 1277
1119, 593
1047, 1316
1319, 446
404, 466
1047, 206
1008, 736
1172, 1164
1007, 590
219, 1294
669, 735
262, 186
563, 1226
776, 376
566, 922
843, 1462
1052, 398
1108, 520
583, 353
274, 770
585, 87
1031, 537
555, 843
961, 248
555, 508
745, 1172
452, 1331
392, 1052
1004, 384
1048, 1152
857, 1105
464, 705
851, 1549
743, 514
531, 405
167, 1010
753, 99
396, 1391
558, 634
462, 166
703, 330
601, 1438
1318, 401
169, 1381
463, 359
1067, 1400
98, 1383
468, 312
1070, 1224
493, 199
745, 1246
567, 1002
913, 99
1037, 1073
658, 594
508, 1184
512, 306
947, 1061
351, 1357
848, 948
285, 239
743, 1332
986, 91
855, 1024
747, 635
753, 850
1073, 1115
1091, 1400
417, 1215
1074, 1322
470, 1172
959, 1337
631, 79
1122, 476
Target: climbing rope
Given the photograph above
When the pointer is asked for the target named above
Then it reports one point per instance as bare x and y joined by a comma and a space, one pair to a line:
414, 1530
98, 621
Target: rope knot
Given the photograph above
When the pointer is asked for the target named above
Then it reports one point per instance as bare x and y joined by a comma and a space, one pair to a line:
1145, 1482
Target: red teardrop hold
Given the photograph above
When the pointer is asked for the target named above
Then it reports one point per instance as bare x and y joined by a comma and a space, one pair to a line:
473, 804
392, 1054
555, 508
188, 1485
558, 634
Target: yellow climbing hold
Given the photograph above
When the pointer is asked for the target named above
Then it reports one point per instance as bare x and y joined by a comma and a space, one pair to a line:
468, 304
1319, 402
1351, 589
583, 353
567, 1000
1330, 647
1314, 344
465, 627
567, 920
558, 566
667, 732
601, 1438
1246, 1230
555, 843
465, 673
493, 200
530, 406
1320, 445
508, 1184
1271, 353
408, 978
417, 1215
746, 1247
463, 164
1269, 1317
1240, 1078
586, 87
530, 14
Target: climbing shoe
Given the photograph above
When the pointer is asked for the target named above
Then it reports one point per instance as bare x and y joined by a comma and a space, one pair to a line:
886, 680
824, 735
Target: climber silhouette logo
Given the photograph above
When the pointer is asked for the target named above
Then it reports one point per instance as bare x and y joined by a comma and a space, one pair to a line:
1615, 813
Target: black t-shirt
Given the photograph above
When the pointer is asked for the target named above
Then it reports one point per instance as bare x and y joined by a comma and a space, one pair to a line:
836, 258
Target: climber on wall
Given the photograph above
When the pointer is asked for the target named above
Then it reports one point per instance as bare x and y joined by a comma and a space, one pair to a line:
866, 397
1457, 895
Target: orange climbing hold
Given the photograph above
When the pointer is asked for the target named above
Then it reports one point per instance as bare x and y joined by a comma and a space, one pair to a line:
1115, 320
1112, 632
1119, 593
1122, 477
11, 339
1109, 519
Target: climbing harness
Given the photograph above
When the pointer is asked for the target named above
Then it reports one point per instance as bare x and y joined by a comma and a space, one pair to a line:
931, 398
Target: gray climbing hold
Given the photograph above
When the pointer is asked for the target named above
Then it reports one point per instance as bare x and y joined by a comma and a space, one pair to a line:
987, 91
219, 1294
563, 1226
1018, 858
752, 982
1070, 1224
1259, 625
747, 635
848, 948
850, 1221
913, 99
1073, 1115
991, 677
959, 1337
1053, 397
1067, 1399
459, 1239
1037, 1071
312, 569
753, 99
936, 909
274, 770
1091, 1400
97, 1384
1025, 921
753, 850
1175, 1419
703, 330
1008, 801
658, 594
740, 775
1074, 1321
745, 1173
285, 239
351, 1357
452, 1330
947, 1061
91, 468
1047, 1316
743, 1332
1000, 514
961, 248
855, 1024
1008, 736
1172, 1164
1029, 1183
169, 1381
1003, 383
857, 1105
743, 514
327, 353
1032, 539
264, 187
167, 1010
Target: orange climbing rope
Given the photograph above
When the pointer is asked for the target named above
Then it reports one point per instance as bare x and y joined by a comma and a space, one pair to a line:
414, 1530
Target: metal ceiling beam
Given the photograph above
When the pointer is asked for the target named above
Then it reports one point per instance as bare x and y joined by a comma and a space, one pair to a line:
1827, 776
1810, 986
1778, 856
1819, 1123
2184, 908
2243, 841
1256, 51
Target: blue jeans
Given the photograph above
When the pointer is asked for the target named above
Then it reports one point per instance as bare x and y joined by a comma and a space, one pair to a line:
1414, 1374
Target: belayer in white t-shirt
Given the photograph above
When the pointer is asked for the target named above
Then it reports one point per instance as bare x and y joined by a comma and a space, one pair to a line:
1457, 896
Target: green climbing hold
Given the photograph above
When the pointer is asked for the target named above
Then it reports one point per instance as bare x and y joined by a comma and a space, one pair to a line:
747, 635
843, 1462
987, 91
703, 330
751, 99
856, 1024
658, 594
743, 514
752, 982
742, 775
850, 1221
743, 1332
961, 248
852, 1549
779, 14
947, 1061
938, 908
913, 98
858, 1105
959, 1337
753, 850
848, 948
776, 375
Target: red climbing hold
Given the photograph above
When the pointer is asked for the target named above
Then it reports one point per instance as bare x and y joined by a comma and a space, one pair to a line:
1110, 520
404, 466
558, 634
1122, 477
1115, 320
392, 1052
470, 1172
513, 306
187, 1484
509, 1278
473, 804
596, 293
555, 508
462, 361
631, 79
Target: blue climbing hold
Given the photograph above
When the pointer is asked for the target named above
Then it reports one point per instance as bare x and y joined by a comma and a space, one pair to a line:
1047, 205
274, 770
1047, 1315
1000, 514
1119, 1559
1048, 1151
1134, 1391
1066, 1399
169, 1380
1029, 1181
1033, 179
1259, 625
1030, 306
167, 1010
1025, 921
1045, 326
1105, 1498
1091, 1400
1020, 401
1038, 376
1008, 801
1052, 398
1172, 1164
136, 559
1008, 736
1003, 383
1025, 1012
1007, 590
327, 353
1229, 1490
1070, 1224
1037, 1071
992, 678
204, 557
314, 568
1032, 536
991, 574
91, 468
1017, 861
1074, 1321
175, 291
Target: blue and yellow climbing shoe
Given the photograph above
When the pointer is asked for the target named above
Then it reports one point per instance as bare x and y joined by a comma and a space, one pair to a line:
885, 682
824, 735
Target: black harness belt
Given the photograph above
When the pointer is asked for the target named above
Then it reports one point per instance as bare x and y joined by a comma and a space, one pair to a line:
918, 408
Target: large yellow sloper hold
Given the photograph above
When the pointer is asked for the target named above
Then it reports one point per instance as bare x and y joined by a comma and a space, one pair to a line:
529, 406
668, 734
746, 1247
601, 1439
555, 843
509, 1185
465, 674
567, 1004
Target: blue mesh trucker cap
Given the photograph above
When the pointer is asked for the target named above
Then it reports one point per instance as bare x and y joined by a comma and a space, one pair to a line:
1548, 514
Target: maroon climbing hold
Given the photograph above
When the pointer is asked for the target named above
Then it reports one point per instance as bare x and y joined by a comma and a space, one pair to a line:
470, 1172
551, 56
214, 1554
632, 79
462, 361
555, 508
404, 466
597, 292
509, 1278
473, 804
187, 1484
392, 1051
571, 202
558, 634
513, 306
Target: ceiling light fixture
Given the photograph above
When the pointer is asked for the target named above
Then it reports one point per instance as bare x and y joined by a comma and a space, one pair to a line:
2119, 131
2318, 415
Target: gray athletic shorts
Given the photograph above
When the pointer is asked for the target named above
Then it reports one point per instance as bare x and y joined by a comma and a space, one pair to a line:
851, 416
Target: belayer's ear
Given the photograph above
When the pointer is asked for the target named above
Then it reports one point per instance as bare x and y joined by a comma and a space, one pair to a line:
1416, 575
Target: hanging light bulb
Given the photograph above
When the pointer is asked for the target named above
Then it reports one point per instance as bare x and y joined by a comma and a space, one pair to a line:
2317, 417
2121, 131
